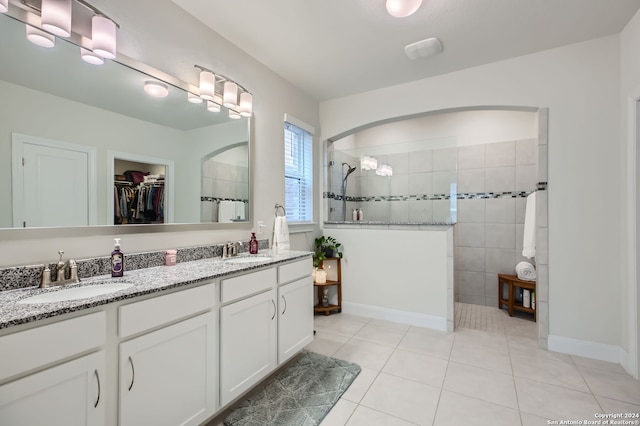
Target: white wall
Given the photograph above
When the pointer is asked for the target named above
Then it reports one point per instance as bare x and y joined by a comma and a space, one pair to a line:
159, 33
580, 86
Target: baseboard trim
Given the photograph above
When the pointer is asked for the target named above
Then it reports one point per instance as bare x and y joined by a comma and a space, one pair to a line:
405, 317
588, 349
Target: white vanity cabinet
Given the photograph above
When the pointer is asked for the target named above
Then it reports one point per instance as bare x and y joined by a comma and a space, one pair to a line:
295, 308
168, 376
70, 390
248, 327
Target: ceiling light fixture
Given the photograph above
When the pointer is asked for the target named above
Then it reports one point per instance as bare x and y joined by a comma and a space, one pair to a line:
56, 17
220, 90
156, 89
4, 6
207, 85
402, 8
246, 104
423, 48
39, 37
368, 163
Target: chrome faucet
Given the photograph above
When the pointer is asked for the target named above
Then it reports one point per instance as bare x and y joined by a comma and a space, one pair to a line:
60, 273
231, 249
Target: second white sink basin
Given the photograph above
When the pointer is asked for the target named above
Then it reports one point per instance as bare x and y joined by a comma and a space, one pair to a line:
249, 259
76, 293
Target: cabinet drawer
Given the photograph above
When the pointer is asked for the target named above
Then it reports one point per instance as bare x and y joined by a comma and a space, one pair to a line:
141, 316
295, 270
38, 346
246, 285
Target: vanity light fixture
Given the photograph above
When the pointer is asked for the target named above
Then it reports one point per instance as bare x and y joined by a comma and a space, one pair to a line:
234, 114
230, 94
103, 36
246, 104
193, 98
4, 6
368, 163
91, 57
207, 85
213, 107
56, 17
402, 8
156, 89
39, 37
384, 170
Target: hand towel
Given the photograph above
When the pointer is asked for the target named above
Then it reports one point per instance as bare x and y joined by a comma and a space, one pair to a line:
226, 211
281, 234
529, 238
526, 271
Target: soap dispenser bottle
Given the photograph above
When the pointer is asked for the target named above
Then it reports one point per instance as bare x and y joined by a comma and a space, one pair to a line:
117, 260
253, 244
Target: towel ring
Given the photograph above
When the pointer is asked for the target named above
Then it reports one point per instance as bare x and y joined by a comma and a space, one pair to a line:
278, 206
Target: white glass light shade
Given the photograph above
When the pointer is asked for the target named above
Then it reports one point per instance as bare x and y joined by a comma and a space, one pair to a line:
207, 85
213, 107
4, 6
230, 94
402, 8
156, 89
368, 163
39, 37
103, 36
56, 17
194, 99
91, 57
384, 170
234, 114
246, 104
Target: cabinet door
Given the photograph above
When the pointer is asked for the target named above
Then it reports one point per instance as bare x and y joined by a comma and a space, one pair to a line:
295, 322
247, 343
167, 377
69, 394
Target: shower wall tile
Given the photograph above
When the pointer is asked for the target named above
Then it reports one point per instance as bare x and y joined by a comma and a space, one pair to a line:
543, 169
471, 211
542, 198
542, 252
526, 152
445, 159
421, 161
491, 286
471, 157
398, 184
500, 210
470, 235
500, 179
442, 181
471, 180
421, 183
474, 300
500, 261
521, 207
399, 162
526, 178
542, 283
399, 211
441, 210
500, 235
519, 237
470, 259
420, 210
470, 283
207, 187
500, 154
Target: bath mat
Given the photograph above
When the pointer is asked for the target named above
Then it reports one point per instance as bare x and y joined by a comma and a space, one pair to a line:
300, 395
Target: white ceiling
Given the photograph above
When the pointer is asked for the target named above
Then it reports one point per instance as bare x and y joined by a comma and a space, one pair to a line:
333, 48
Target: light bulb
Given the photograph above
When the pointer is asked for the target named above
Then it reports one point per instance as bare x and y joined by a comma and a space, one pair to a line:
207, 85
246, 104
103, 36
56, 17
402, 8
230, 94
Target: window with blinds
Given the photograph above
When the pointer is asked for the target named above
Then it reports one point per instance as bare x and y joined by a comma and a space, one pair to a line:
298, 173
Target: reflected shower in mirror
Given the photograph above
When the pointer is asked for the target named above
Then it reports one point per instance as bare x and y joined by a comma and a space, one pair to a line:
81, 117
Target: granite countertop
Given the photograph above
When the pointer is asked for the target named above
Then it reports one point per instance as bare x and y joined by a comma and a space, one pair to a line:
144, 281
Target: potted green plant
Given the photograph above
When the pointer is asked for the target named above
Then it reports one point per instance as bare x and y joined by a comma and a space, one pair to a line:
326, 247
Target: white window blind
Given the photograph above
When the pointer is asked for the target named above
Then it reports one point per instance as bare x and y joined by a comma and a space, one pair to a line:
298, 173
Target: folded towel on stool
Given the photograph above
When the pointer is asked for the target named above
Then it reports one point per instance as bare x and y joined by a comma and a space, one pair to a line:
526, 271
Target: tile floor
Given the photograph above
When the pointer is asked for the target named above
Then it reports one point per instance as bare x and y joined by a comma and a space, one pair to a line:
489, 372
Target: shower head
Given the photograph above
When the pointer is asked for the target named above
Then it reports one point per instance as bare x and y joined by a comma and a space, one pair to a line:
351, 169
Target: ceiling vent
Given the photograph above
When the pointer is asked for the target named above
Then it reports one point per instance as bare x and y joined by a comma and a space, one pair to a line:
423, 48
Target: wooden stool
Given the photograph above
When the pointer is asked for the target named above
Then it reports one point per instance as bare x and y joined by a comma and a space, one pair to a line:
512, 282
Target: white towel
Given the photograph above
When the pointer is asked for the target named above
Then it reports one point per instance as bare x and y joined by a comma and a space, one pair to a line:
226, 211
281, 234
239, 210
526, 271
529, 238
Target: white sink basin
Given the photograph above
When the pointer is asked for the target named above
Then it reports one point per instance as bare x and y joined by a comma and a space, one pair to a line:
249, 259
76, 293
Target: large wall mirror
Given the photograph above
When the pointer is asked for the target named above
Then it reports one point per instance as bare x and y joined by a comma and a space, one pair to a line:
69, 131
